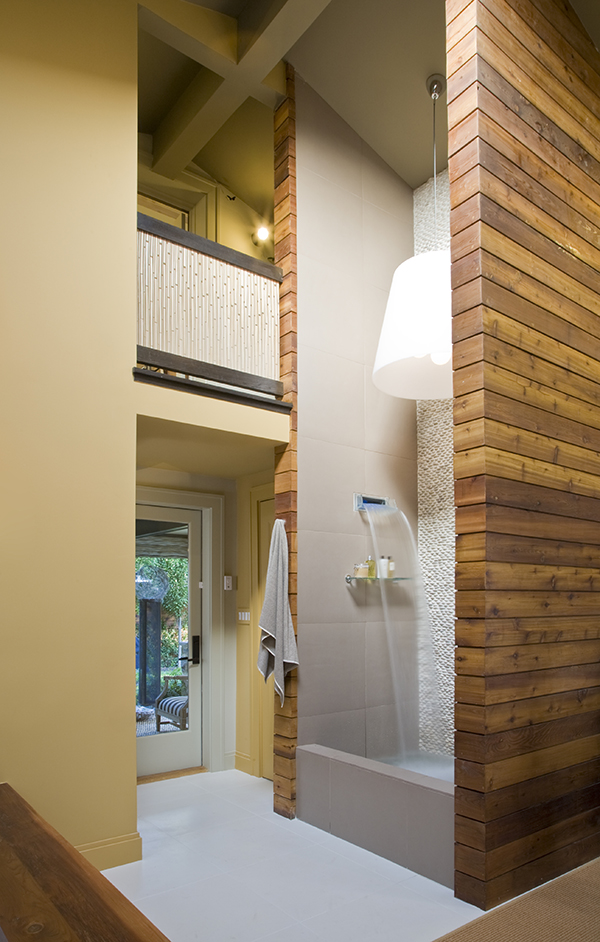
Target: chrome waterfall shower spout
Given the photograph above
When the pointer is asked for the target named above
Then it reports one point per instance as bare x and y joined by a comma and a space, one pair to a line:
413, 733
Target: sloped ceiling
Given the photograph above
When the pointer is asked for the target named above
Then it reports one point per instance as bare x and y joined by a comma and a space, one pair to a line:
370, 62
588, 12
240, 156
368, 59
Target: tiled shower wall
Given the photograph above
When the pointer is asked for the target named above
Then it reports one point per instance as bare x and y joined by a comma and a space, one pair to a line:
436, 554
355, 227
436, 488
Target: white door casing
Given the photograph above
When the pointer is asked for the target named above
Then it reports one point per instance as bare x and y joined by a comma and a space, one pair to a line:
205, 513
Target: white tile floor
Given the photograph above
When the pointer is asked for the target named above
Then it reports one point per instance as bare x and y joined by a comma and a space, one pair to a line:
220, 866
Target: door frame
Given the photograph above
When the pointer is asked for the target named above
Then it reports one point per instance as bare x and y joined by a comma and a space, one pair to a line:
261, 693
183, 749
212, 602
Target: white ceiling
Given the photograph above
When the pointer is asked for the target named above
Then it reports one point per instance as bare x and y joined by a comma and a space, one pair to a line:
174, 446
589, 14
370, 62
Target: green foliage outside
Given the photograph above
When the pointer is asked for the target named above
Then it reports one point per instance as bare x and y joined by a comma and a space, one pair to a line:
175, 602
174, 607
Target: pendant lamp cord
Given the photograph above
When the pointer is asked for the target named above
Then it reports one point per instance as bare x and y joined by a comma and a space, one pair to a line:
434, 97
436, 85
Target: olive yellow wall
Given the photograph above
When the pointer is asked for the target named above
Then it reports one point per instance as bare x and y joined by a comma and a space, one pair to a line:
68, 428
215, 211
68, 89
248, 702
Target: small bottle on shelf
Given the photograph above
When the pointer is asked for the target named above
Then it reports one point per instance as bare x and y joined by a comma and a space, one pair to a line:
371, 567
391, 567
382, 567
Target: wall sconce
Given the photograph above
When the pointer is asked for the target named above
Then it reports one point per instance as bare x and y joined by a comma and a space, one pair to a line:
261, 235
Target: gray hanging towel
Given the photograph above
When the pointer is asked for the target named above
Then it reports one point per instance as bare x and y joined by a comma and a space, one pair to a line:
277, 652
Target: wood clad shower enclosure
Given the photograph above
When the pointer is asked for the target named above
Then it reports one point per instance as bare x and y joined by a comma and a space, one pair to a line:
286, 457
524, 135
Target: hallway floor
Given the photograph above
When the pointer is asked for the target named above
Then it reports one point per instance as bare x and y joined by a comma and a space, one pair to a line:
220, 866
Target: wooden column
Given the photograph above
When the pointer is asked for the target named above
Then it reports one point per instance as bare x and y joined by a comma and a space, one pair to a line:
286, 464
524, 120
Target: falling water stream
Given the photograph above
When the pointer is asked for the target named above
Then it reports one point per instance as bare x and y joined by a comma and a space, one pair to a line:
416, 742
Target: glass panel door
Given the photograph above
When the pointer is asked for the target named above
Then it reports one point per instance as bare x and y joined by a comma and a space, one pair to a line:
167, 637
162, 626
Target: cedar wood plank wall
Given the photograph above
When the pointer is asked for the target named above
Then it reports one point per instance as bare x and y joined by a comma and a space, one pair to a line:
524, 110
286, 463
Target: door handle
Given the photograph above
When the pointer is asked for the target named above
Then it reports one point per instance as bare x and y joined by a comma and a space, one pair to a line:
195, 658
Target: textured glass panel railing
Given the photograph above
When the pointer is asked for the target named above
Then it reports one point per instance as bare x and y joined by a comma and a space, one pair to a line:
198, 306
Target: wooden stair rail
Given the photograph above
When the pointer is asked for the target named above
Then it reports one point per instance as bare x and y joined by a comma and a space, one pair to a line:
50, 891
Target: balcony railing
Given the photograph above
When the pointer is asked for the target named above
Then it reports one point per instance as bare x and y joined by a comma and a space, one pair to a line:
208, 312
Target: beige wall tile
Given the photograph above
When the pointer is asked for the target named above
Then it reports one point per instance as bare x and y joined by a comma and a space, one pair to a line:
312, 785
344, 731
327, 145
382, 187
331, 400
374, 301
386, 243
355, 227
328, 476
379, 686
329, 223
332, 315
323, 561
390, 423
332, 678
391, 476
382, 738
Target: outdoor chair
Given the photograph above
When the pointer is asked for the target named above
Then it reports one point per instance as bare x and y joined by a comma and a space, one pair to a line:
173, 710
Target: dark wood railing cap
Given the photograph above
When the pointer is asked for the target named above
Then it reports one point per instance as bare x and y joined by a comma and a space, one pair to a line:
207, 247
233, 385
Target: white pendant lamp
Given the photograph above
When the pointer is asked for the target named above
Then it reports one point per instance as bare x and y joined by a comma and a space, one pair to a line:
414, 355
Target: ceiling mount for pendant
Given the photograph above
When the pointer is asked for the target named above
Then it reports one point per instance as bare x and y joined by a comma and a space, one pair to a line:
436, 86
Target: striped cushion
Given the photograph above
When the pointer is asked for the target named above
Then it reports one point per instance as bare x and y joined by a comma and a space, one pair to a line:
173, 705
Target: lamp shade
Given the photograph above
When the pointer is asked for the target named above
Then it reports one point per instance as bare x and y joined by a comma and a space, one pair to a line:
414, 355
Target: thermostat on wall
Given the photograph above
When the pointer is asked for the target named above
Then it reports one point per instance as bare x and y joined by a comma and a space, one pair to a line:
228, 583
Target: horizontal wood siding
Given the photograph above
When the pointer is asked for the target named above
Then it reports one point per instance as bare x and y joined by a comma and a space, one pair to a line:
524, 131
286, 462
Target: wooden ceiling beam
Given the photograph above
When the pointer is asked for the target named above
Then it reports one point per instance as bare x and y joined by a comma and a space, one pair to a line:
192, 122
215, 47
273, 26
206, 36
260, 40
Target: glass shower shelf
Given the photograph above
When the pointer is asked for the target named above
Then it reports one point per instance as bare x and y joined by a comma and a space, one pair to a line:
350, 579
